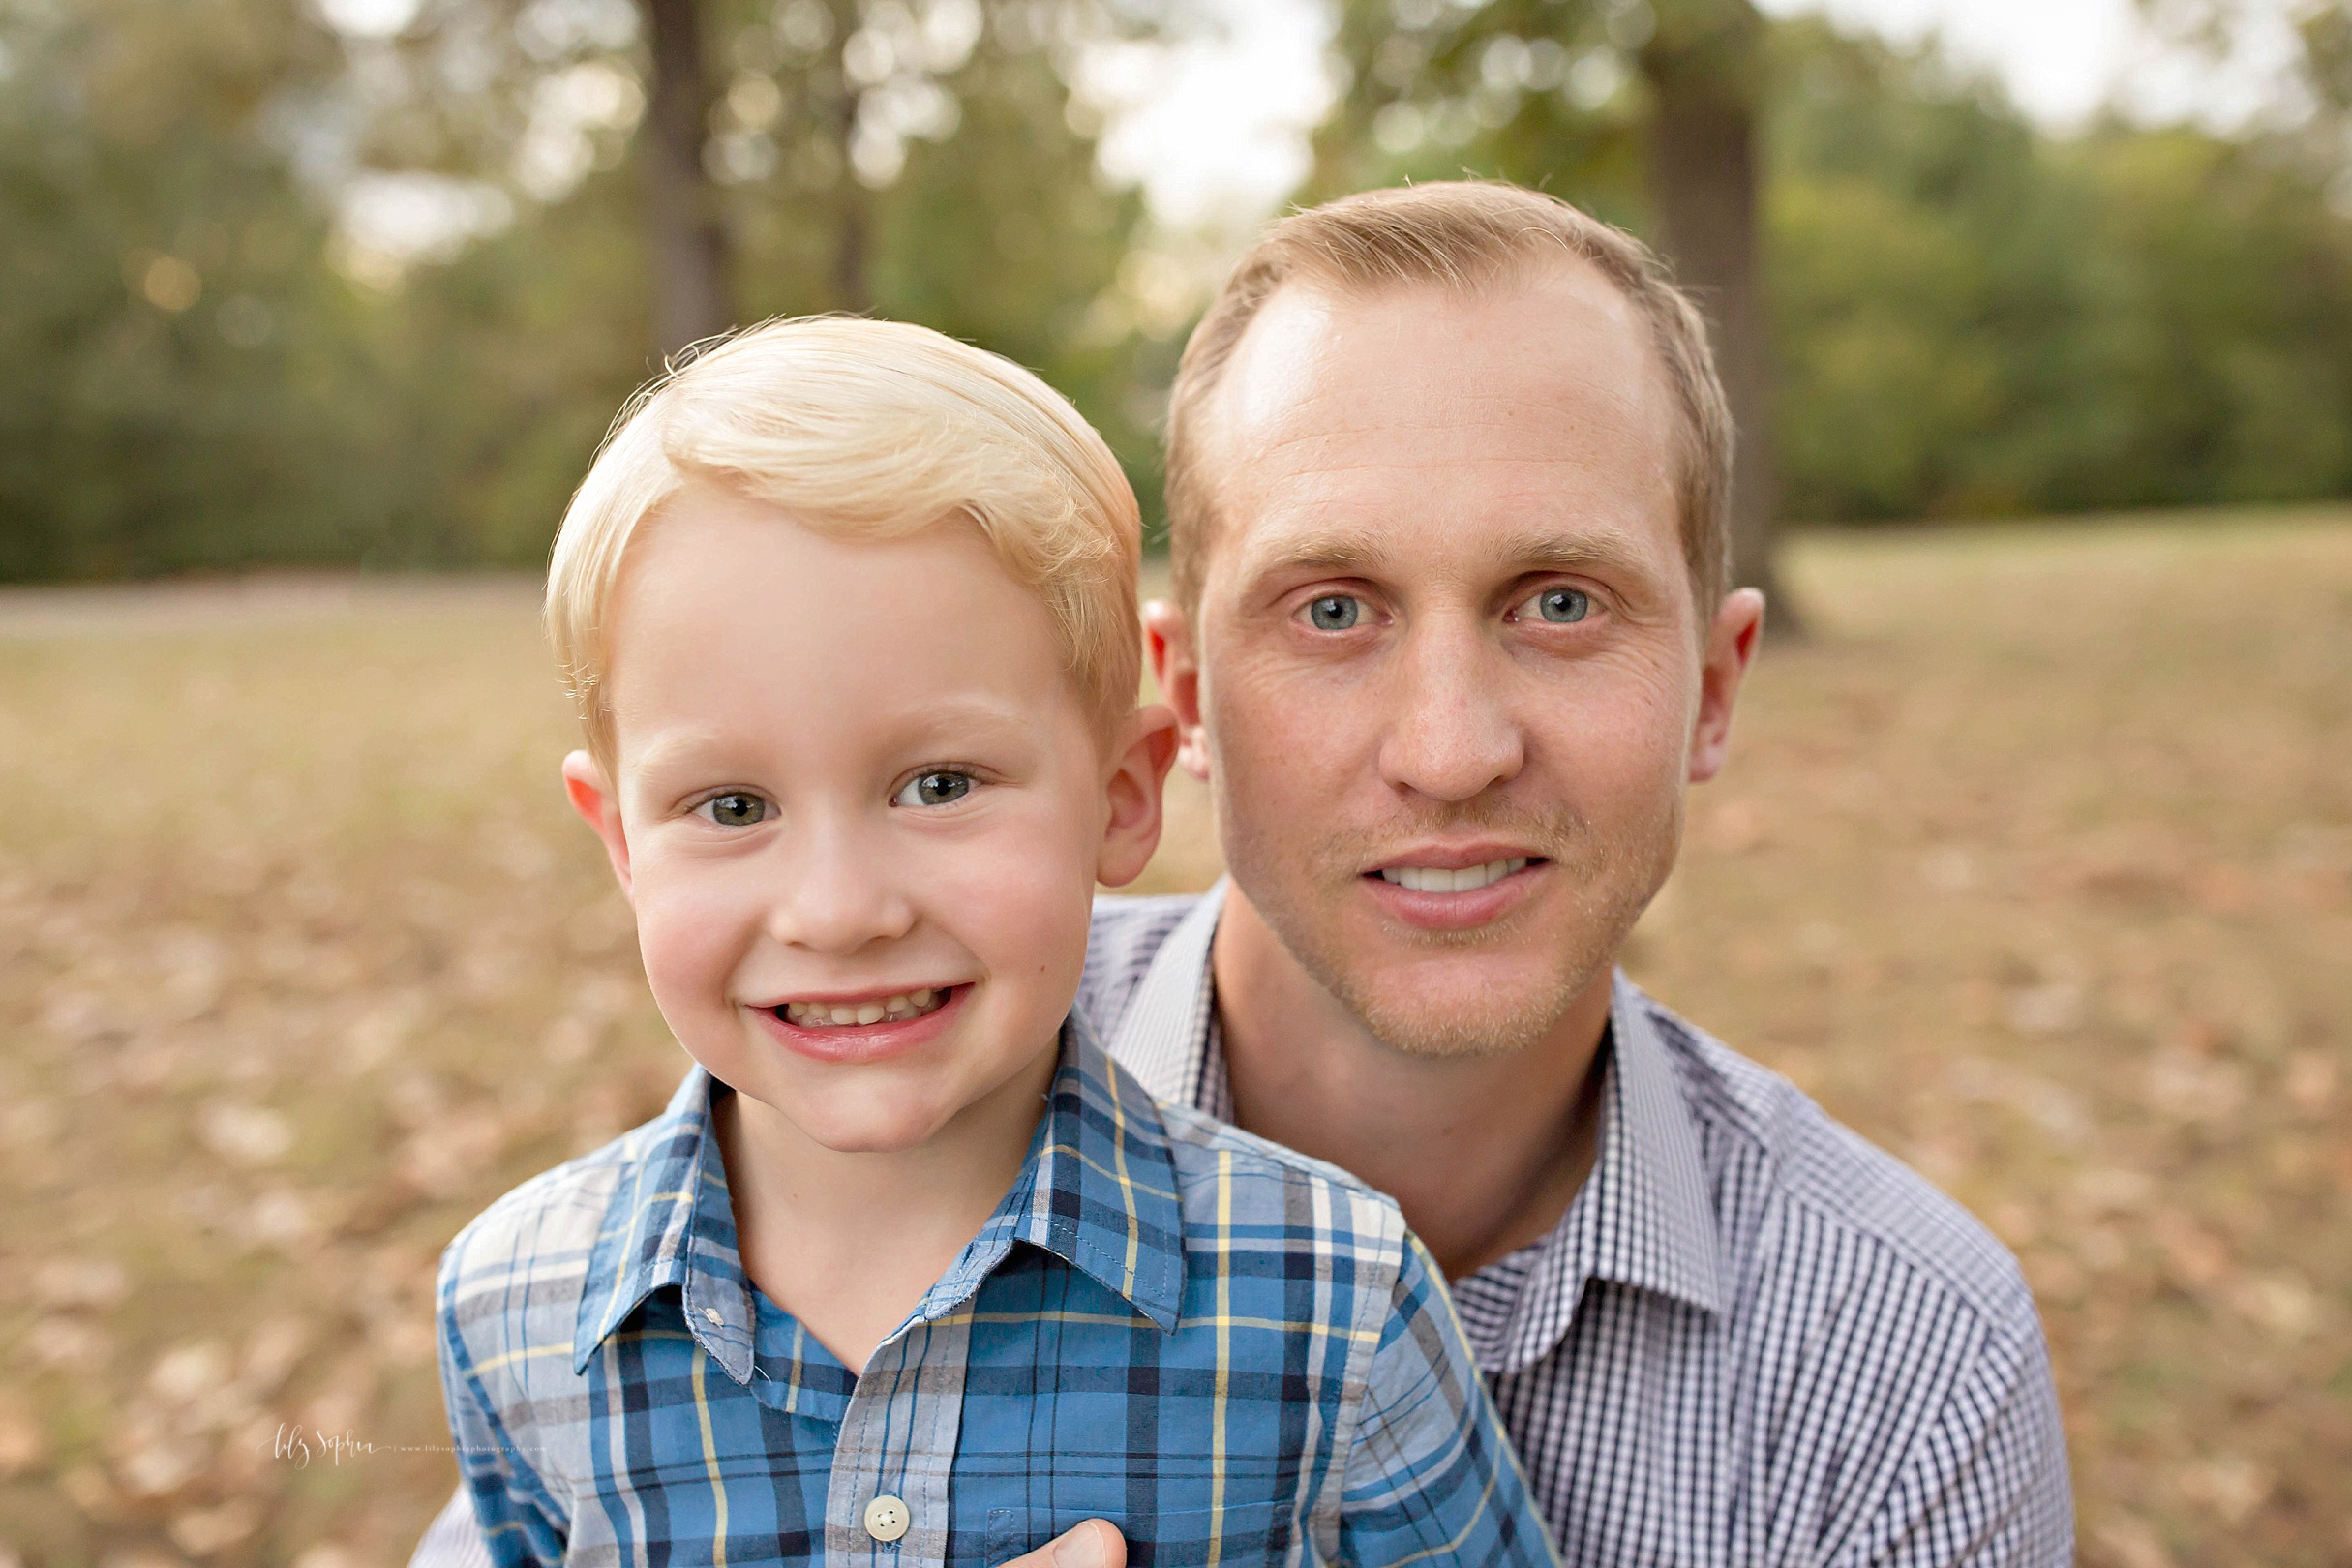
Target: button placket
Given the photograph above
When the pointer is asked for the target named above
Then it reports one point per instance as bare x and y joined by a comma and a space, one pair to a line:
886, 1503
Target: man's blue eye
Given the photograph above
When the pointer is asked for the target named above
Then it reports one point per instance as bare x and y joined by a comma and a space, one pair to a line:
737, 809
1562, 606
935, 788
1335, 612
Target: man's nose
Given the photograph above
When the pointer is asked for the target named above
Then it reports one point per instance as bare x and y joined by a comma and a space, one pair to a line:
839, 894
1451, 735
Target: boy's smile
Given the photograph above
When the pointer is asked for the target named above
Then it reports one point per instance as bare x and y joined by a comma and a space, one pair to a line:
862, 1027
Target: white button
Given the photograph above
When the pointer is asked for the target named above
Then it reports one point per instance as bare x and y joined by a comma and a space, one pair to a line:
711, 1313
886, 1517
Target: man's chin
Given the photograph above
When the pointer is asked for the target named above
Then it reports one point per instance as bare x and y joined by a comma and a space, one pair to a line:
1462, 1004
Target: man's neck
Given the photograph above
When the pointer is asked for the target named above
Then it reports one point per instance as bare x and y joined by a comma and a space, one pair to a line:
1482, 1152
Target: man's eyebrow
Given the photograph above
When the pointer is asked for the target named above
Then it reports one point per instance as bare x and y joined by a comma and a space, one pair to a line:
1337, 555
1608, 549
1363, 553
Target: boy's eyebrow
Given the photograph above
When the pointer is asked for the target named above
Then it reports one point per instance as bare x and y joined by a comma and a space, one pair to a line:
680, 747
974, 709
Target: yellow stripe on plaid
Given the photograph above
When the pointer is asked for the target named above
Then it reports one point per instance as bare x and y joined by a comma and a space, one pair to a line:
1126, 1187
719, 1482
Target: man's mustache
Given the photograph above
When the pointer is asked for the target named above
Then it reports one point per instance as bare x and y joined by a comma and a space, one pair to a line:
1552, 834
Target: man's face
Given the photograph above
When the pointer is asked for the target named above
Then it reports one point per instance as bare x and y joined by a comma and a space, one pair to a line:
1449, 666
859, 813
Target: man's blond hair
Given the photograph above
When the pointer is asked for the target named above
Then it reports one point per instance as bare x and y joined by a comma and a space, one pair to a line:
870, 430
1463, 235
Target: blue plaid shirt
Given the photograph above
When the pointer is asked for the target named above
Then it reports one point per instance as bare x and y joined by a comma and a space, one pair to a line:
1234, 1353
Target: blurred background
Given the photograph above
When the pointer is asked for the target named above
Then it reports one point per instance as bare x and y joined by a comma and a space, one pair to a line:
2034, 862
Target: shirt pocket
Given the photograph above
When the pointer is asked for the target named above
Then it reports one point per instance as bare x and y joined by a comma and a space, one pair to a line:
1261, 1532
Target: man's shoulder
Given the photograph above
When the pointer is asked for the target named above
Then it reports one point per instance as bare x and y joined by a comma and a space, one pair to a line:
1125, 937
1770, 1148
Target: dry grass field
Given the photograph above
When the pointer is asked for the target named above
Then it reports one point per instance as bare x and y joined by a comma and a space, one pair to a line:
2035, 864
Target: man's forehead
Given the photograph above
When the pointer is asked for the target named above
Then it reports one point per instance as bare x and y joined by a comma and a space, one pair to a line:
1532, 413
1561, 324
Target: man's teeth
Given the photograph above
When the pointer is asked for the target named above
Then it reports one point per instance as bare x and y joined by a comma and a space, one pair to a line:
838, 1014
1432, 879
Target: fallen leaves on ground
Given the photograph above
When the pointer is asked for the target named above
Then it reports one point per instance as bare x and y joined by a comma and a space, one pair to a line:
2035, 865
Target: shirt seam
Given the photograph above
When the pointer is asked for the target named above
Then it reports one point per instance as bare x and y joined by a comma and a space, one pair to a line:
1375, 1299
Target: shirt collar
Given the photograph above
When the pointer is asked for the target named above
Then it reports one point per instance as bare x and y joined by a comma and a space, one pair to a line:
1098, 1191
1644, 1217
1163, 1036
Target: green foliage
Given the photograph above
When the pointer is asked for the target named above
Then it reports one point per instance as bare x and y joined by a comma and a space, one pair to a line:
1970, 317
286, 414
1537, 92
160, 323
1973, 318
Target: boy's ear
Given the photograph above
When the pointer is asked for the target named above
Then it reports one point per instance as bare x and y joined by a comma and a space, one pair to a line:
584, 783
1136, 775
1176, 667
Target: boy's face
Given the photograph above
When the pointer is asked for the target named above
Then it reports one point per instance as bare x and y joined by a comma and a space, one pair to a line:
859, 812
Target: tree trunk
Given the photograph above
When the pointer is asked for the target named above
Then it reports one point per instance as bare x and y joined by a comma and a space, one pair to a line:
852, 288
1703, 184
687, 237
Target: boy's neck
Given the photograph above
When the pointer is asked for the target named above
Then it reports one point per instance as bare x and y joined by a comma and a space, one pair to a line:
848, 1243
1482, 1152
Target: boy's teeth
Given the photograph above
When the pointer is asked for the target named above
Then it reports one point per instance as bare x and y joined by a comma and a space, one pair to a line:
840, 1014
1432, 879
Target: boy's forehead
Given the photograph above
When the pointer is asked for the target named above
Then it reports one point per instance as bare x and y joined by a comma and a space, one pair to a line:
736, 623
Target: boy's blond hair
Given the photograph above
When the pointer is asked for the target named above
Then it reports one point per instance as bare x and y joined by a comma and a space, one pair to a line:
871, 430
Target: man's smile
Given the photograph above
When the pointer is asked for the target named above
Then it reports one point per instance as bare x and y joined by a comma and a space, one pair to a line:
1454, 886
1439, 880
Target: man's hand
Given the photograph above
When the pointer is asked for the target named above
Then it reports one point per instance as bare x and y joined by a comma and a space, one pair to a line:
1094, 1544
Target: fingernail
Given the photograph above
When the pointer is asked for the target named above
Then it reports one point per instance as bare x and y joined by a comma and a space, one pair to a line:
1081, 1547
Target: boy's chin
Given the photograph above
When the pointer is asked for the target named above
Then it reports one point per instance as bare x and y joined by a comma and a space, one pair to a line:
882, 1136
877, 1130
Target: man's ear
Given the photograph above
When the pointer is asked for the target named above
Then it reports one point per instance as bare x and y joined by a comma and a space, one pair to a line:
1176, 667
1730, 647
593, 799
1132, 831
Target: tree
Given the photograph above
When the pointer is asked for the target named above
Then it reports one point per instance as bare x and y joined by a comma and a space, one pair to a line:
1977, 318
1704, 63
686, 232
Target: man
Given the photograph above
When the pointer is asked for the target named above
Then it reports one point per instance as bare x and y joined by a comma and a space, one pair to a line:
1447, 480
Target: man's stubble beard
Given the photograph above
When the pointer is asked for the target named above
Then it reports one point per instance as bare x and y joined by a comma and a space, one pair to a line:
1612, 877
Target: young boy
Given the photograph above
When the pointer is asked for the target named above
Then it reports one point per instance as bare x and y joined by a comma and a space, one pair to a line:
909, 1272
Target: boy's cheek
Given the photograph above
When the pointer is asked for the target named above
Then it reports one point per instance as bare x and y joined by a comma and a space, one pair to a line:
687, 944
1032, 889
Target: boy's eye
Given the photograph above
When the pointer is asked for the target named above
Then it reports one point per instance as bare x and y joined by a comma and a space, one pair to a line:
1562, 606
1335, 612
737, 809
942, 786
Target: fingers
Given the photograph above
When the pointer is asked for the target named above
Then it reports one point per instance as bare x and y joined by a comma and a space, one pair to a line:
1094, 1544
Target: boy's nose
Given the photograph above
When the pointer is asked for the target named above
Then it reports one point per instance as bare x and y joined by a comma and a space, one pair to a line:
838, 896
